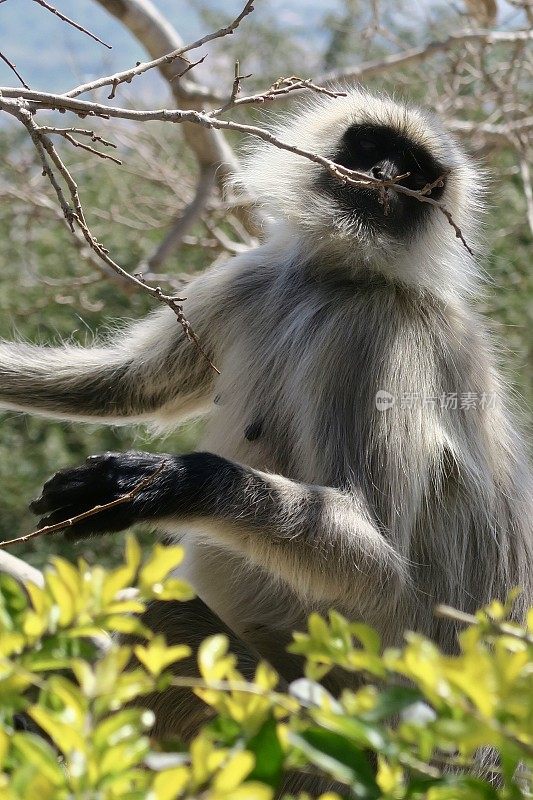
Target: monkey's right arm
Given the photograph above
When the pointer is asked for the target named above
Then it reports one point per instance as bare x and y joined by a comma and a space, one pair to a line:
148, 370
322, 541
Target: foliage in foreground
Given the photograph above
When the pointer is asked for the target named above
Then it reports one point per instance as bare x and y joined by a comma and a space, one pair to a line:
451, 706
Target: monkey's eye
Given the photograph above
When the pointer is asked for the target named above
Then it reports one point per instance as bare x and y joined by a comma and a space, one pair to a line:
366, 145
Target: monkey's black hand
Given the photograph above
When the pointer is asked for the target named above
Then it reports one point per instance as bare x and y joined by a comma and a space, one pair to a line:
143, 480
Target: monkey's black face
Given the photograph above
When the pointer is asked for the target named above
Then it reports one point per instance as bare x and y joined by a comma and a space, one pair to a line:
381, 152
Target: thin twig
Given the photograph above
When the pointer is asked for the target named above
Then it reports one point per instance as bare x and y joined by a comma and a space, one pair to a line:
127, 75
13, 68
79, 132
75, 216
90, 149
68, 523
279, 88
70, 21
346, 176
447, 612
187, 69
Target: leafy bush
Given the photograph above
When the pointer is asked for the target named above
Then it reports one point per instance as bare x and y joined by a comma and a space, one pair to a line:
96, 746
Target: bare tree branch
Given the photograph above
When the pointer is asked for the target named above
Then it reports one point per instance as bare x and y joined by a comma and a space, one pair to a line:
161, 40
167, 49
18, 569
417, 54
184, 222
209, 120
76, 219
69, 21
13, 68
127, 75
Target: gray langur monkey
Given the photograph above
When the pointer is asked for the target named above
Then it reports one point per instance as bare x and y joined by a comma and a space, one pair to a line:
361, 453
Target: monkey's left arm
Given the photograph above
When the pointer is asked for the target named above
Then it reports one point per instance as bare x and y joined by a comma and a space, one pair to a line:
319, 539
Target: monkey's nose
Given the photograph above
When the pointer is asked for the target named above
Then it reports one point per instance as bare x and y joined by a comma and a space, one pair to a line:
384, 171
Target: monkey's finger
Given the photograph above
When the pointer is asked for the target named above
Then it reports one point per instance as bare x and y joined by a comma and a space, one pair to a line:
83, 484
65, 476
76, 493
52, 500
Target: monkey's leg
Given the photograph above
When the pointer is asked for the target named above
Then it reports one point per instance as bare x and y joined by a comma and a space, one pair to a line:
177, 710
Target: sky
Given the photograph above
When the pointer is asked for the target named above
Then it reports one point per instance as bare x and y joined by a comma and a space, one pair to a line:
51, 55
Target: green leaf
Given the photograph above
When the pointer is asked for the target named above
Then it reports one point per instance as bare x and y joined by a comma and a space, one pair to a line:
213, 658
69, 575
339, 758
127, 724
35, 750
368, 637
452, 787
117, 759
65, 738
251, 790
232, 774
157, 655
269, 755
170, 783
13, 603
162, 561
173, 589
364, 734
391, 701
318, 629
63, 597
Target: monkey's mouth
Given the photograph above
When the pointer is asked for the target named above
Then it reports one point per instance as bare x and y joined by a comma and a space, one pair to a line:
387, 209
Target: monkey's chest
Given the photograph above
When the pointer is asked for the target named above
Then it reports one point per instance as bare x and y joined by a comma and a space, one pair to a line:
250, 434
272, 415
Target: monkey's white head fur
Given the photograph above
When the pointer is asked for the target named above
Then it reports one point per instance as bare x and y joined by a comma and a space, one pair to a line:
409, 241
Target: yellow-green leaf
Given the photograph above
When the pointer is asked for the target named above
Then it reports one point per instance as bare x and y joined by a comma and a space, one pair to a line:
234, 772
162, 561
170, 783
35, 750
157, 655
252, 790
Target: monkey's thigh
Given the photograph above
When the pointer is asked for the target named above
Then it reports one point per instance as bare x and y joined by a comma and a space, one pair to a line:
177, 710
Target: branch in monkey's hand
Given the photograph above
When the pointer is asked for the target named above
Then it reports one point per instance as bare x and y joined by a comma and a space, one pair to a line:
79, 518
